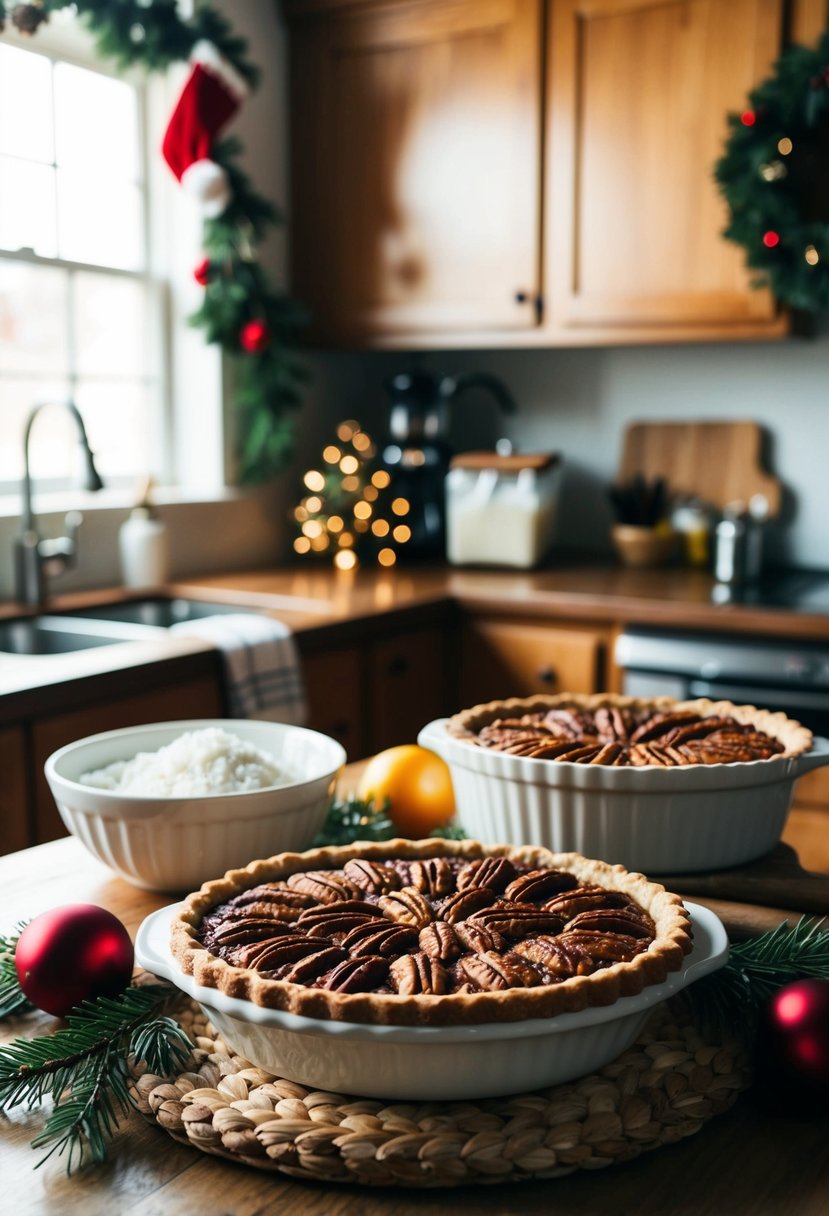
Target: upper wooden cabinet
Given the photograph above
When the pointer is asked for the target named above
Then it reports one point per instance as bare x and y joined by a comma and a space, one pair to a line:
416, 133
522, 172
637, 104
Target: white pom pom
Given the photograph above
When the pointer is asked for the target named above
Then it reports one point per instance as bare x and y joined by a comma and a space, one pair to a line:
207, 183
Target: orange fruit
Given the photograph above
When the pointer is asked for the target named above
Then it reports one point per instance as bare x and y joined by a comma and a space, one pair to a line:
417, 784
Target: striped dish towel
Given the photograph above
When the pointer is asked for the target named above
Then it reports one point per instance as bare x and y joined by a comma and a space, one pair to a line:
263, 678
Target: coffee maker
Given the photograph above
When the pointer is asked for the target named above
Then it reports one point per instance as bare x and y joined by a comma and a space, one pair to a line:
416, 449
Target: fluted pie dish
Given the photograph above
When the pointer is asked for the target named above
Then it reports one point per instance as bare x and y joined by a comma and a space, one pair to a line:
658, 785
430, 969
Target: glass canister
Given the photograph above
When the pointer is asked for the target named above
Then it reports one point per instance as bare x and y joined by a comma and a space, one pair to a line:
500, 509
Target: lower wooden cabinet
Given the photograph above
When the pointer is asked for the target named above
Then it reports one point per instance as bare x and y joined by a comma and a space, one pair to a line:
502, 658
15, 831
194, 698
333, 681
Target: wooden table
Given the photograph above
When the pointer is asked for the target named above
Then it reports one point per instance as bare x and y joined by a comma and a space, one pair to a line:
745, 1163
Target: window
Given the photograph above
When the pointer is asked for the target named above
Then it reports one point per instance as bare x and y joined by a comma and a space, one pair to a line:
80, 314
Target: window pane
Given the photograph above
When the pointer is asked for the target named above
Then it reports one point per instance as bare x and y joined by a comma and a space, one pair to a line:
26, 105
27, 207
111, 331
96, 122
99, 221
53, 443
118, 419
33, 314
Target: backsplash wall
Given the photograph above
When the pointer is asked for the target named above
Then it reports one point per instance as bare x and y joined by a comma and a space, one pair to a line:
578, 402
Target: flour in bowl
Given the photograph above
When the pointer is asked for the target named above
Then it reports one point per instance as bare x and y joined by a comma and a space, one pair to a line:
199, 762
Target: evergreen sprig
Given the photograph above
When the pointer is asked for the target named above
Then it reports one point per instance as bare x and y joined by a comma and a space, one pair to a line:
12, 998
84, 1068
784, 193
354, 818
733, 996
268, 384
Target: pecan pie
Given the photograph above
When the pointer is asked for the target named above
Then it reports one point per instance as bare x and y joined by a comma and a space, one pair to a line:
431, 932
629, 731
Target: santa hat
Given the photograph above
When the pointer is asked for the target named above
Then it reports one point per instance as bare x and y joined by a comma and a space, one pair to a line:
211, 96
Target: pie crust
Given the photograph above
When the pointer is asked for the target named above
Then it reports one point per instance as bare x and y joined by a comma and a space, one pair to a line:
768, 731
544, 996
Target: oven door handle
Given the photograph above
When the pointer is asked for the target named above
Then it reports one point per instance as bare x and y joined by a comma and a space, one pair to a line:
774, 698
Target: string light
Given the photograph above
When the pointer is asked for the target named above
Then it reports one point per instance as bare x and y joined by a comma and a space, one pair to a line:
345, 512
784, 146
811, 255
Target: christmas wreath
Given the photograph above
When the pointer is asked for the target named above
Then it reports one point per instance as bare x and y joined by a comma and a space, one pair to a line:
241, 311
774, 175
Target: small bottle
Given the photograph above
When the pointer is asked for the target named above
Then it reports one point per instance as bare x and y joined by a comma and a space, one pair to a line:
144, 546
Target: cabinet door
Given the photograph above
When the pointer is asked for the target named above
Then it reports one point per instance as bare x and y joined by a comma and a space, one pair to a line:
639, 92
409, 682
14, 801
334, 692
516, 659
415, 164
198, 698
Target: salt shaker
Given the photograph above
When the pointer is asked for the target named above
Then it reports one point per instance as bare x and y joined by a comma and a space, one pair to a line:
730, 545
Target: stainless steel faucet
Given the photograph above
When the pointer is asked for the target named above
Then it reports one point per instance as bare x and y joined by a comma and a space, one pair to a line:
34, 558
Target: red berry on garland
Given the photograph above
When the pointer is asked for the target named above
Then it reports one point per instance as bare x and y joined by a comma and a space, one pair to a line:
202, 272
748, 118
771, 239
255, 337
70, 954
793, 1046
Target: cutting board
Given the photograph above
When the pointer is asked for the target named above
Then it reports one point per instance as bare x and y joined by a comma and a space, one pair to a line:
718, 462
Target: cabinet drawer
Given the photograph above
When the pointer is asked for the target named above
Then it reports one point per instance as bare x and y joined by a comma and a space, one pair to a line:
517, 659
409, 681
332, 689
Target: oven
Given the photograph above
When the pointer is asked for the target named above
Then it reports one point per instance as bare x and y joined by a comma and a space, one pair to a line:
791, 676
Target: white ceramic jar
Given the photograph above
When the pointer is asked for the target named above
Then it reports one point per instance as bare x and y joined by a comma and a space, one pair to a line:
500, 510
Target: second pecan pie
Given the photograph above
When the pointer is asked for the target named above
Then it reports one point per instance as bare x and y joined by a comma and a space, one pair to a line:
431, 933
620, 731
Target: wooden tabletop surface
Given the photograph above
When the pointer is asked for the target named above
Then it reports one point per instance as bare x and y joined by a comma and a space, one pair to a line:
744, 1163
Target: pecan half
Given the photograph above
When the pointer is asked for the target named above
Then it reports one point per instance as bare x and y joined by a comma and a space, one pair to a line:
417, 973
518, 920
270, 956
602, 948
478, 938
554, 957
380, 937
433, 876
371, 876
626, 921
495, 972
243, 932
492, 872
610, 725
313, 966
324, 886
609, 753
464, 903
538, 885
271, 894
439, 940
343, 907
658, 725
357, 975
585, 899
406, 906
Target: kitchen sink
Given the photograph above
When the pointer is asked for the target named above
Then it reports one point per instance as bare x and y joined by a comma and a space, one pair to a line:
50, 635
158, 612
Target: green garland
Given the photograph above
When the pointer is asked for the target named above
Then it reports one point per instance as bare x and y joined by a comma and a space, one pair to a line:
773, 175
269, 382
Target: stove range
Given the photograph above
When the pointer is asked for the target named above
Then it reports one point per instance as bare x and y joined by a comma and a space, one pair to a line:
804, 591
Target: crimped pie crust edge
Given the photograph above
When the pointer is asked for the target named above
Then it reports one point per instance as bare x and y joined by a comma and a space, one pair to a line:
796, 738
665, 954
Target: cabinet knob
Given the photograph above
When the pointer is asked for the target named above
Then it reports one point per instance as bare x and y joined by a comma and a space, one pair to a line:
398, 666
547, 676
521, 297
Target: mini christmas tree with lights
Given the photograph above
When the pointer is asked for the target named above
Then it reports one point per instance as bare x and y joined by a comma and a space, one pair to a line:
350, 511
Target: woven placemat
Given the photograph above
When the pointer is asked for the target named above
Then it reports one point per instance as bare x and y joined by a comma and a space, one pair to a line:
663, 1088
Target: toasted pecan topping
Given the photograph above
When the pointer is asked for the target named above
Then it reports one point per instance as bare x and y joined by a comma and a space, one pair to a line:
434, 876
517, 920
357, 975
463, 904
627, 921
380, 937
418, 973
477, 937
494, 972
371, 876
407, 906
492, 872
313, 966
324, 887
538, 885
439, 940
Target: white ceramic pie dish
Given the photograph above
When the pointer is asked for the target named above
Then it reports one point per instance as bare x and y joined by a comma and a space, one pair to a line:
431, 1063
658, 820
165, 843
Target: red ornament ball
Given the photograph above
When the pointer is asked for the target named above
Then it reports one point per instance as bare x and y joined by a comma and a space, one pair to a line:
793, 1044
748, 118
255, 337
771, 239
202, 272
71, 954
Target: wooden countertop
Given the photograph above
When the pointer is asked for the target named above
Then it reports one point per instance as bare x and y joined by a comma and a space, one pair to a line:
784, 1162
326, 607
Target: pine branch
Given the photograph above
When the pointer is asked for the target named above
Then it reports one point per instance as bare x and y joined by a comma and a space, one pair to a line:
353, 818
12, 998
83, 1068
